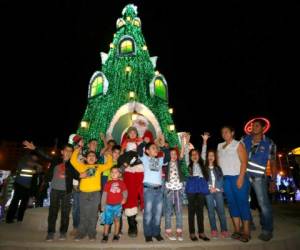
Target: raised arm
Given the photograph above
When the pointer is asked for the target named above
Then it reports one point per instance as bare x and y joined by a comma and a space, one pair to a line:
103, 138
107, 165
205, 137
182, 150
79, 166
31, 146
186, 148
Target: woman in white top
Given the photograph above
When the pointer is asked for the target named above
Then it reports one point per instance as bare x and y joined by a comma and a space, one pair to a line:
232, 158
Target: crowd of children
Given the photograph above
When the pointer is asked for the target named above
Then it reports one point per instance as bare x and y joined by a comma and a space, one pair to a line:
147, 175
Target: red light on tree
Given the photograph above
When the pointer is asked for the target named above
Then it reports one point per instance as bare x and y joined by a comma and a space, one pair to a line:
248, 126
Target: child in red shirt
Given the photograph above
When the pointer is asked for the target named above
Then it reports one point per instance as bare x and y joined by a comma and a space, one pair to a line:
113, 197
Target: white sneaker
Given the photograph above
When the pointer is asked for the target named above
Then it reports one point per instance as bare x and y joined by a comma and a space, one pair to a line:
179, 236
170, 236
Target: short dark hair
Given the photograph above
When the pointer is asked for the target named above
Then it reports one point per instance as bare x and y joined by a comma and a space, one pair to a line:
260, 121
114, 167
148, 145
111, 140
67, 145
116, 147
92, 139
91, 152
228, 127
176, 151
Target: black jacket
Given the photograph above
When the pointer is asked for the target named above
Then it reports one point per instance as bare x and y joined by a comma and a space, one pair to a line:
70, 173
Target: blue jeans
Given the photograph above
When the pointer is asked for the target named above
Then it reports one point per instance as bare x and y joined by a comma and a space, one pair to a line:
76, 209
237, 199
153, 204
216, 201
173, 200
259, 185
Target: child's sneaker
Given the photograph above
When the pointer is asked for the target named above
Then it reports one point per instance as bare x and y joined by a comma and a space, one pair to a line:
104, 239
179, 236
92, 238
170, 236
116, 238
214, 234
50, 237
62, 237
148, 239
225, 234
79, 237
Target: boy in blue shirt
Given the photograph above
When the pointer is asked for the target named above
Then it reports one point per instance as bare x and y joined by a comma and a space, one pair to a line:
153, 191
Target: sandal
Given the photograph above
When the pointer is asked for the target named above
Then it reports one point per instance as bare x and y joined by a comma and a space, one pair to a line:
245, 238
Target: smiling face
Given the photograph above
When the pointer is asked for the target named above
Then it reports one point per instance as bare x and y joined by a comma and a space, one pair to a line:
132, 134
116, 154
195, 156
227, 134
211, 157
66, 153
91, 158
173, 155
152, 151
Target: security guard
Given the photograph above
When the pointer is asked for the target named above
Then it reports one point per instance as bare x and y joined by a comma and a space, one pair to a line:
26, 171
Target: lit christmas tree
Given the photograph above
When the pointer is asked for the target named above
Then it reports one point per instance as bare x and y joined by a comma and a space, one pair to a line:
128, 84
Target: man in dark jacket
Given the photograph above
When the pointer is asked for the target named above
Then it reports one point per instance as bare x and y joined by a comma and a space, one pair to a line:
61, 174
27, 168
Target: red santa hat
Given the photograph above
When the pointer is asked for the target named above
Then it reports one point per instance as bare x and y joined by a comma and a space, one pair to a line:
74, 139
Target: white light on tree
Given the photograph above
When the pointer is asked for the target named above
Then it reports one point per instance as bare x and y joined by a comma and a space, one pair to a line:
172, 127
145, 47
84, 124
128, 69
131, 94
156, 72
171, 111
111, 45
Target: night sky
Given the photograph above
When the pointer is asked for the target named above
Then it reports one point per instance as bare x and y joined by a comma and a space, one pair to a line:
224, 64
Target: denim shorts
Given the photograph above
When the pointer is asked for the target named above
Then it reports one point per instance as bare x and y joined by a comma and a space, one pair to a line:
110, 213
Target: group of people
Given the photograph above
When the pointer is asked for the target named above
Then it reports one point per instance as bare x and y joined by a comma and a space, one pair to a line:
147, 175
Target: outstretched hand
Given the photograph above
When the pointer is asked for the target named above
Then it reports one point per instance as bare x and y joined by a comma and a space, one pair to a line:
205, 136
81, 143
29, 145
161, 140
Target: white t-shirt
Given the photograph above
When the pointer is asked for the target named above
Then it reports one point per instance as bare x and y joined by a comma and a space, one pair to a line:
229, 159
213, 177
174, 183
197, 170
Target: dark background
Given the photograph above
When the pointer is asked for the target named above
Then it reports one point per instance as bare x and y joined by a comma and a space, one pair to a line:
224, 62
